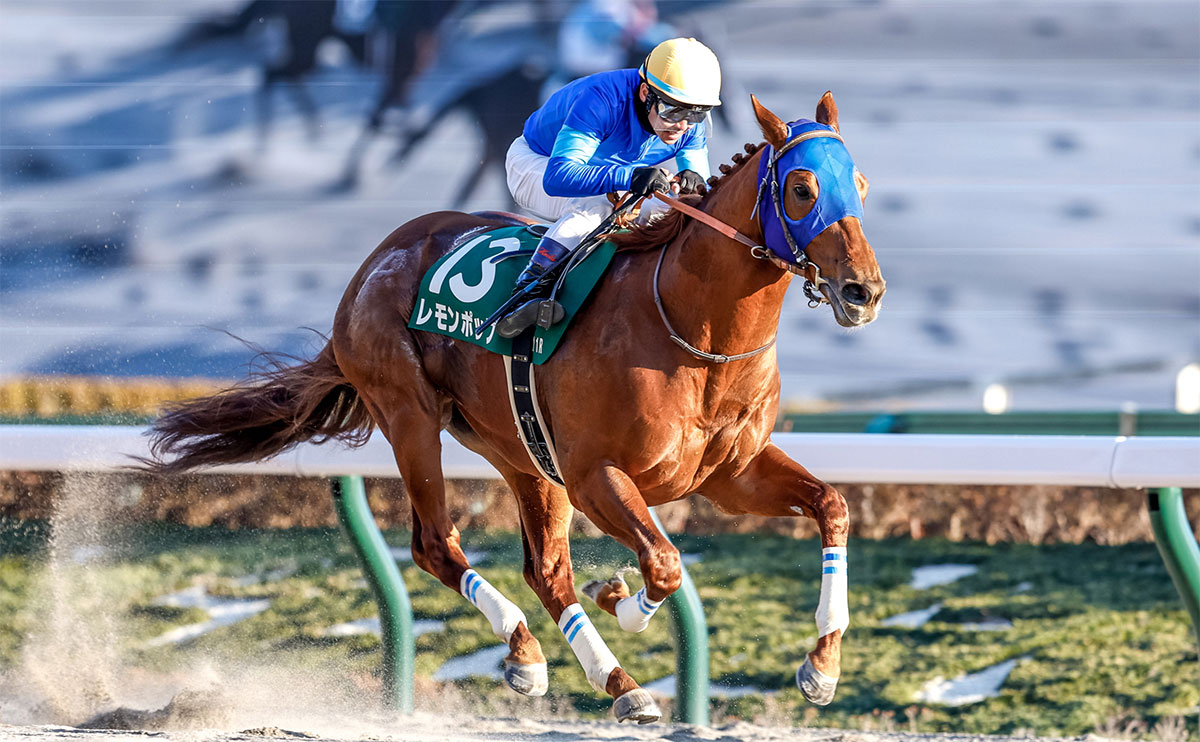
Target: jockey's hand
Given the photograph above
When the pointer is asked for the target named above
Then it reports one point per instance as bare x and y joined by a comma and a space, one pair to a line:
691, 182
647, 180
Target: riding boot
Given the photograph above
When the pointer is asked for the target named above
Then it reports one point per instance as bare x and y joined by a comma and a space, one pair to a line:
549, 251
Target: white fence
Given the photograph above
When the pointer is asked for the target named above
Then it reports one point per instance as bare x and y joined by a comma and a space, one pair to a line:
835, 457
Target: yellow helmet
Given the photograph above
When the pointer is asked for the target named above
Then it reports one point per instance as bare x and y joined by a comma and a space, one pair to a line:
685, 71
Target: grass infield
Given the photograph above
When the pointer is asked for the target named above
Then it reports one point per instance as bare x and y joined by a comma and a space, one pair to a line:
1102, 638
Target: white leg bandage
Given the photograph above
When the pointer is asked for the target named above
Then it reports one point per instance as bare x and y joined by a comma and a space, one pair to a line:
598, 662
634, 612
833, 610
501, 613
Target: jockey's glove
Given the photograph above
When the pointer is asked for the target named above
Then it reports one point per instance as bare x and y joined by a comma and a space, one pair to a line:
691, 182
647, 180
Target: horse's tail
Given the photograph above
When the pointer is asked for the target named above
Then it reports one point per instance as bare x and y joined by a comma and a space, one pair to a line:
267, 414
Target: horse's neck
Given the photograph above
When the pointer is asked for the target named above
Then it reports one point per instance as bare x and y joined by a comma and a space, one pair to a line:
719, 298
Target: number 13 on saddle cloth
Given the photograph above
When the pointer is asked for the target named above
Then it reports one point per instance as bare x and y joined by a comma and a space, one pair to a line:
471, 281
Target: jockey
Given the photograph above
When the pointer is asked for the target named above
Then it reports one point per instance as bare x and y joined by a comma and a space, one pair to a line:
606, 133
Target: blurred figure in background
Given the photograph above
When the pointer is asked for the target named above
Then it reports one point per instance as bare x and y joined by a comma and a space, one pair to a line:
601, 35
487, 58
412, 33
604, 134
287, 34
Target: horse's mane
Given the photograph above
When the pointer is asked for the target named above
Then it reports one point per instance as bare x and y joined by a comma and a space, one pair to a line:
667, 227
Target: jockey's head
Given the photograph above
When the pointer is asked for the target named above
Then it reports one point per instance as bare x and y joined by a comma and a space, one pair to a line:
681, 83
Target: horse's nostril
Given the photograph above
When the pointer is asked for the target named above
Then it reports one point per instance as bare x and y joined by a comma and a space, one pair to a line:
855, 293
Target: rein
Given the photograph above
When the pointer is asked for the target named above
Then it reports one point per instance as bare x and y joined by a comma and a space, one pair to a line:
757, 251
812, 284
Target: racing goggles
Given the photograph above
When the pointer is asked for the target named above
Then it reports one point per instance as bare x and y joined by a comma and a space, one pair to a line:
673, 113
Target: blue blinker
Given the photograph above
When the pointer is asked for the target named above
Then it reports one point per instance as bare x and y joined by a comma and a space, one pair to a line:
837, 197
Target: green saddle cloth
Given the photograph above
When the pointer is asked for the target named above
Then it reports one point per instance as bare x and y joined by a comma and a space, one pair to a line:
470, 282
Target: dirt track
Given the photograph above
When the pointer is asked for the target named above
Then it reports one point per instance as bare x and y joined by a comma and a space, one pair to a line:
431, 728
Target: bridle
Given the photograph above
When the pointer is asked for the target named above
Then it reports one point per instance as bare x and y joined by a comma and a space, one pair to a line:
811, 286
812, 281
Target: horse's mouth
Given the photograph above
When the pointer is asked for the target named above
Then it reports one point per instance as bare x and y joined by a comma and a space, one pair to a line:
847, 314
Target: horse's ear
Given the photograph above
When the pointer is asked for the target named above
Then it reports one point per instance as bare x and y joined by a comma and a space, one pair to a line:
772, 126
827, 111
861, 183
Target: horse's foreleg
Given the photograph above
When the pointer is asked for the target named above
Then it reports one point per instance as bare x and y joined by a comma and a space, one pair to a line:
613, 503
437, 550
545, 525
773, 485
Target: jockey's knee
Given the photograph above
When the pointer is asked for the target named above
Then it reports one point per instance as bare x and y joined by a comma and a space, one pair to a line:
585, 215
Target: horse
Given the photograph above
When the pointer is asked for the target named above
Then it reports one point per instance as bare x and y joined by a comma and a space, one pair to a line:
637, 420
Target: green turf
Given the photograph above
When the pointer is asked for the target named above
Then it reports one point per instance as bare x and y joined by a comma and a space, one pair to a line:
1101, 633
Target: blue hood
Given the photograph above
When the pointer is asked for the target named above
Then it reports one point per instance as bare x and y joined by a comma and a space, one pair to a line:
837, 197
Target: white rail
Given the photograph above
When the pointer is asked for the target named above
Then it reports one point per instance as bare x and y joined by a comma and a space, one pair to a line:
1097, 461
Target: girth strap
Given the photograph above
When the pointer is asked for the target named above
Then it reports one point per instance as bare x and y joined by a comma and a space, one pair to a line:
522, 395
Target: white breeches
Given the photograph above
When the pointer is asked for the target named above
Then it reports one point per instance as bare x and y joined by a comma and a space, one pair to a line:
573, 218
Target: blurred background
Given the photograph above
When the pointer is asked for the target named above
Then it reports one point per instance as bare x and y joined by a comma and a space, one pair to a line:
176, 173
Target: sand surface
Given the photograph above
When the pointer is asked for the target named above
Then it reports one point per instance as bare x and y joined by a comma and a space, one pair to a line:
433, 728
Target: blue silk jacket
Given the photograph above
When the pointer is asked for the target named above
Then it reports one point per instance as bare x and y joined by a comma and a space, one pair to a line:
590, 131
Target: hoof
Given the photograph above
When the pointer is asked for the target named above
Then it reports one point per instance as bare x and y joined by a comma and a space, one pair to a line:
528, 680
636, 705
597, 589
816, 686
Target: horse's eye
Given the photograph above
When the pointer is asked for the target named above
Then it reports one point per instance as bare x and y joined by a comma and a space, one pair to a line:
802, 192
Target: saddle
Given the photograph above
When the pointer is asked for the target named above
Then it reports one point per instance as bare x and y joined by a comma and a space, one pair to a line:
477, 276
472, 281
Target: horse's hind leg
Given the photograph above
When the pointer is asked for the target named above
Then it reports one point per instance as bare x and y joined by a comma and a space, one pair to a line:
436, 547
773, 485
545, 525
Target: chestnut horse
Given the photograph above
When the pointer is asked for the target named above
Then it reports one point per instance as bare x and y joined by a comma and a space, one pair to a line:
637, 420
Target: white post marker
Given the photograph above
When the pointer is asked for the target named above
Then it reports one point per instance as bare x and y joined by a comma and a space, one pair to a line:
501, 613
634, 613
833, 609
591, 651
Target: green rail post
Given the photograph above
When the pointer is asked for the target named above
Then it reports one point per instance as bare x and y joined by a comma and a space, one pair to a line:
1177, 544
691, 648
395, 611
